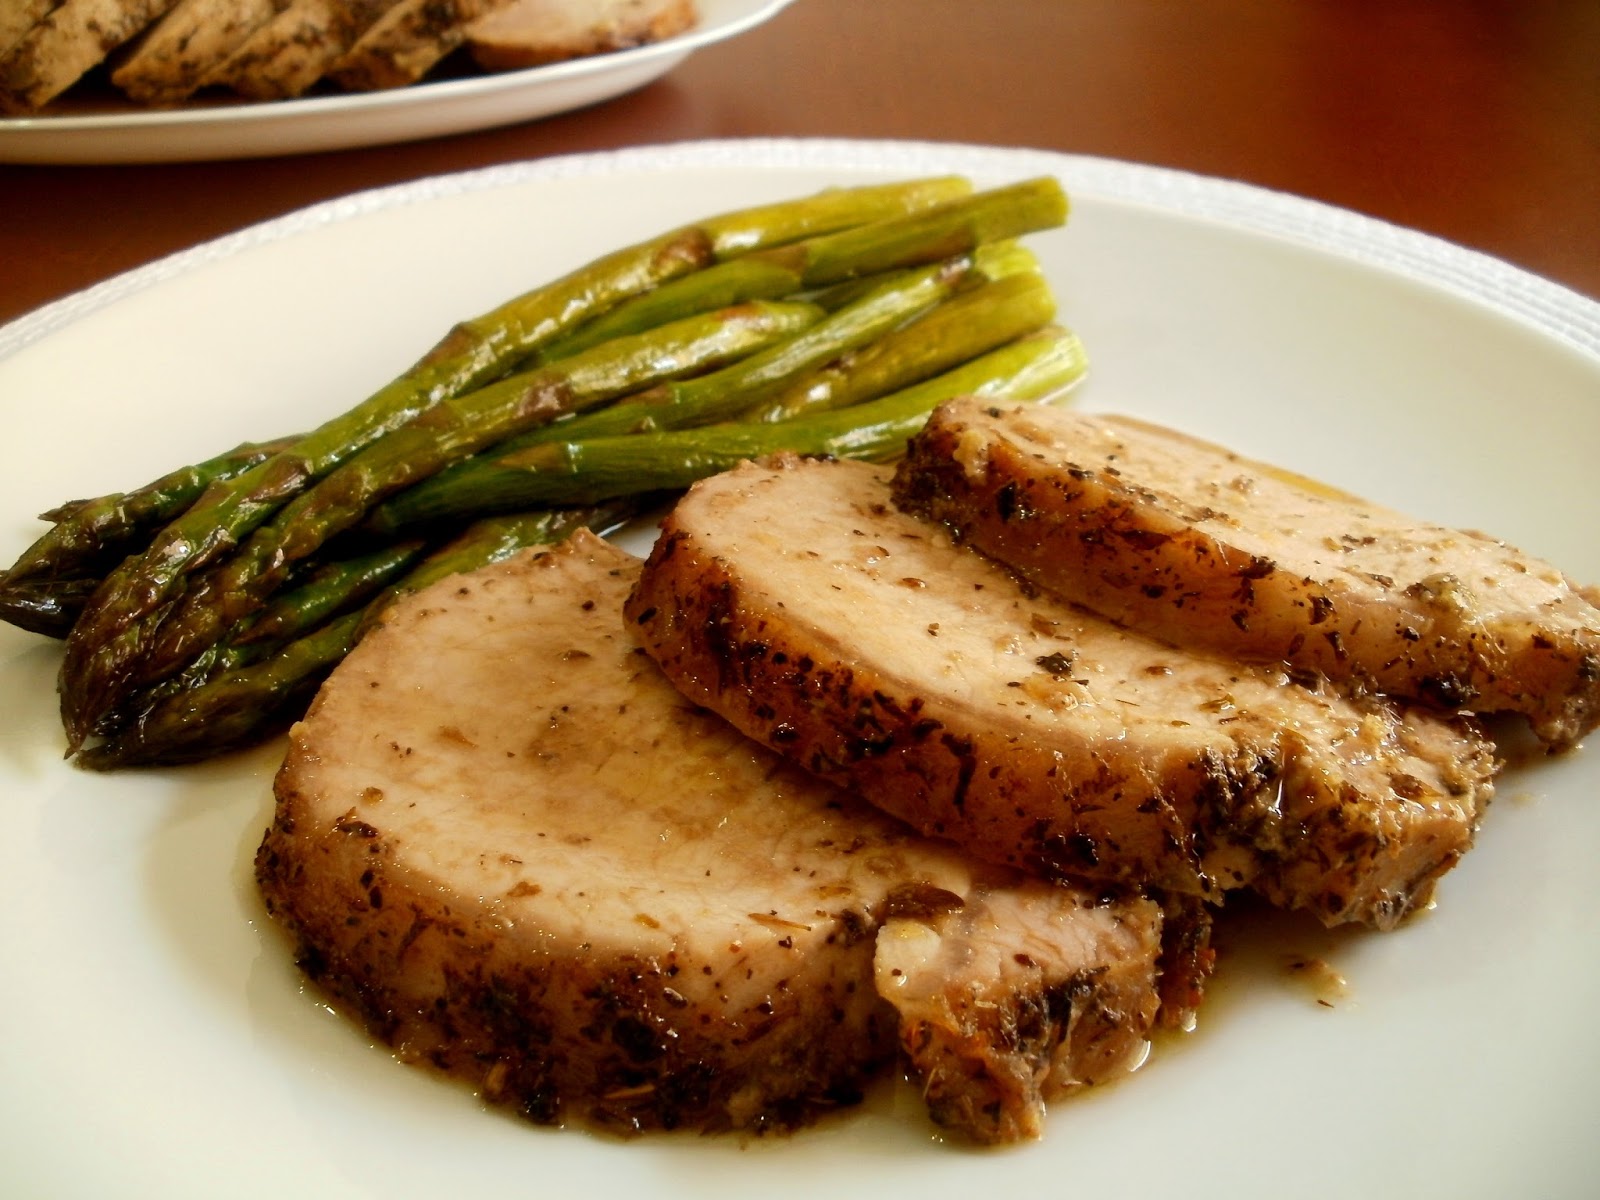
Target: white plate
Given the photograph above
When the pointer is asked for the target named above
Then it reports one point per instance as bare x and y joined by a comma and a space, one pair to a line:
156, 1040
215, 128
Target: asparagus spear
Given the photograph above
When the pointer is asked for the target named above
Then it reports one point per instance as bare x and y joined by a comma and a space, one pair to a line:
726, 392
1014, 301
1035, 366
89, 536
451, 430
111, 634
912, 238
959, 329
329, 590
750, 229
248, 703
48, 606
956, 227
733, 282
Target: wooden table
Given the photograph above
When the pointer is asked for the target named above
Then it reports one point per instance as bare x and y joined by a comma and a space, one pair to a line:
1476, 120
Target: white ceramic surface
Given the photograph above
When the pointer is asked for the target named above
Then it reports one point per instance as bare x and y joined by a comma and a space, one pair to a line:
156, 1041
216, 128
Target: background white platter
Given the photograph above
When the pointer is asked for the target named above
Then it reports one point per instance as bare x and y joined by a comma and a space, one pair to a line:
216, 127
156, 1039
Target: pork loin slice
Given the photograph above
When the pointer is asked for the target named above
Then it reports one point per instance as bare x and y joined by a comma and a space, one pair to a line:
187, 45
991, 1025
74, 37
519, 854
1169, 534
861, 642
19, 16
530, 33
407, 42
286, 55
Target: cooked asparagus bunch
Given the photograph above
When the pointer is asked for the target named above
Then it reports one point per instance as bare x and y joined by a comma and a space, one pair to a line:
829, 324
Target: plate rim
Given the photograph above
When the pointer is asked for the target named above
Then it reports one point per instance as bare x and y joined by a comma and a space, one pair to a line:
1551, 308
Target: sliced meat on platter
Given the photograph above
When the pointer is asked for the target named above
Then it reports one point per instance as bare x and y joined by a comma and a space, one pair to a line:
66, 42
179, 53
863, 643
19, 16
286, 55
1166, 533
507, 843
407, 42
530, 33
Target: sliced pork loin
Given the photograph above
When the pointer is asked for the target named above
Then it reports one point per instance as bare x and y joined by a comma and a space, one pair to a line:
19, 16
530, 33
1001, 1006
861, 642
407, 41
65, 44
1163, 532
286, 55
187, 46
519, 854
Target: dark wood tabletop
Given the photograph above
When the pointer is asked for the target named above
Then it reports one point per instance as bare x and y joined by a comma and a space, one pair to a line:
1474, 120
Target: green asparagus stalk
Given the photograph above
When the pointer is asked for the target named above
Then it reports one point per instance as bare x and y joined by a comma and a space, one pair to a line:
761, 227
1035, 366
723, 394
494, 539
1015, 300
248, 703
743, 244
451, 430
328, 592
88, 537
733, 282
963, 327
230, 711
330, 589
112, 634
956, 227
901, 297
912, 238
50, 607
47, 606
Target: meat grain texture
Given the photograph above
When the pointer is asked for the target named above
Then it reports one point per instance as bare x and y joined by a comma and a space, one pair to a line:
1163, 532
518, 854
865, 645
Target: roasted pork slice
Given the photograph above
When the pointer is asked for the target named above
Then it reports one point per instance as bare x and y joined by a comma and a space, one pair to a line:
407, 42
530, 33
177, 55
507, 843
990, 1023
74, 37
286, 55
864, 644
1163, 532
19, 16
